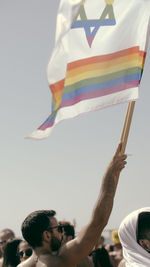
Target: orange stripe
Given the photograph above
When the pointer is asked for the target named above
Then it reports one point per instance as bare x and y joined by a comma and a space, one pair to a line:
57, 91
58, 86
102, 58
57, 96
143, 56
102, 65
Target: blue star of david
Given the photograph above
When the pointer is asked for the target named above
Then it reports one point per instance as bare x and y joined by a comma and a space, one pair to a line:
89, 24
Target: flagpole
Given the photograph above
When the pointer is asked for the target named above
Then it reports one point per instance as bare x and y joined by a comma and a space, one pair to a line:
126, 129
126, 126
125, 133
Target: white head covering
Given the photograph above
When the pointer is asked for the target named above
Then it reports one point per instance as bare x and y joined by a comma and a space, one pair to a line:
134, 254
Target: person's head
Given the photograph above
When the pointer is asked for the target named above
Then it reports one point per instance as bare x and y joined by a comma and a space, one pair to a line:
115, 240
5, 235
24, 251
143, 230
101, 242
134, 234
41, 229
67, 231
101, 257
10, 257
114, 237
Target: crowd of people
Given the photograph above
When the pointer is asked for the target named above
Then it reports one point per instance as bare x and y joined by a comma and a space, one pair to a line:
17, 252
47, 242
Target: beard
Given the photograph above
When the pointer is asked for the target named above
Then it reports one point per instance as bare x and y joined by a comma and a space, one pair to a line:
55, 244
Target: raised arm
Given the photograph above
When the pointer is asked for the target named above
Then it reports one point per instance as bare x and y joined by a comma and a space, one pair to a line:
82, 245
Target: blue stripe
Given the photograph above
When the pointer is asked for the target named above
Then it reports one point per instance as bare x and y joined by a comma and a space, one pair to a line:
53, 107
101, 86
92, 23
50, 118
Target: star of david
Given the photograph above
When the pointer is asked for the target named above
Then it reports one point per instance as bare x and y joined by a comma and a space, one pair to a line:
91, 27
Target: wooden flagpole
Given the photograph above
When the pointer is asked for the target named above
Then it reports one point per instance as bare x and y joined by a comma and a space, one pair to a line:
125, 133
126, 129
127, 124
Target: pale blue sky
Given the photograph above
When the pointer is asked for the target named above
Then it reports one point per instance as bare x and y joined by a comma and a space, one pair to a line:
64, 171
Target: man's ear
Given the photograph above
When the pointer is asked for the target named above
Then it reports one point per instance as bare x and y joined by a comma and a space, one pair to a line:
143, 244
46, 236
69, 238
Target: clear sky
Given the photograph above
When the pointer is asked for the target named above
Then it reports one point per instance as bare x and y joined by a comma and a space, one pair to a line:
63, 172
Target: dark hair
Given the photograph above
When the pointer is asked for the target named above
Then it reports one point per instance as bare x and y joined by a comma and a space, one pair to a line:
34, 225
8, 231
101, 258
143, 226
68, 228
10, 253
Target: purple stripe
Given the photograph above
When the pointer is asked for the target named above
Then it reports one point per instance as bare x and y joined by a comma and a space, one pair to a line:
44, 126
99, 93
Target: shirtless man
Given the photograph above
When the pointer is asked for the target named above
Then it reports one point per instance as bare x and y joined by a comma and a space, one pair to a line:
41, 230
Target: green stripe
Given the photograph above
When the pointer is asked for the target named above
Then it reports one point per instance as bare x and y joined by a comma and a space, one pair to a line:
101, 79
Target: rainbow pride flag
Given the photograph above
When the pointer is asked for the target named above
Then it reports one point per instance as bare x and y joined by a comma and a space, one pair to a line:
98, 58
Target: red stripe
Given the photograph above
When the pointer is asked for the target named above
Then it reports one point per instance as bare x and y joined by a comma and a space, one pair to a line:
45, 126
58, 86
102, 58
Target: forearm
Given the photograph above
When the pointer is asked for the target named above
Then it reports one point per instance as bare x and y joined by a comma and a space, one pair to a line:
104, 204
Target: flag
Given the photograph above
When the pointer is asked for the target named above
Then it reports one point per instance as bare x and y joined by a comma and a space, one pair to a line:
98, 57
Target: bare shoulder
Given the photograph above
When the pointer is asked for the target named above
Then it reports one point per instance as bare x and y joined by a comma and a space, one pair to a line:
122, 263
40, 264
1, 262
28, 263
53, 261
87, 262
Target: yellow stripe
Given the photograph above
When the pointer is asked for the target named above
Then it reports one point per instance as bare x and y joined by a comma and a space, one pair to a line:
99, 72
102, 65
83, 2
57, 96
109, 2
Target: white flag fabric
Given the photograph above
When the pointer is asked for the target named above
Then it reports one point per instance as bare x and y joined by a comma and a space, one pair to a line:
98, 57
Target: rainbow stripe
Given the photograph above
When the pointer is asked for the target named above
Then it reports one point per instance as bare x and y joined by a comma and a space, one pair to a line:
96, 77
